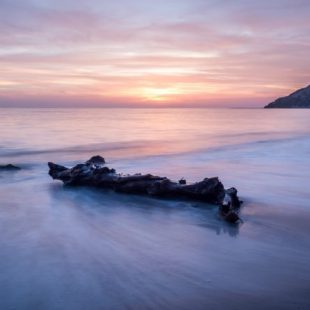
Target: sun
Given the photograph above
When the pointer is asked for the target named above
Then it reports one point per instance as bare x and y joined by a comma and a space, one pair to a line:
160, 93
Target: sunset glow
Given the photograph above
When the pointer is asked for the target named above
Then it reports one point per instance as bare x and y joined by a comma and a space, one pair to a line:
152, 53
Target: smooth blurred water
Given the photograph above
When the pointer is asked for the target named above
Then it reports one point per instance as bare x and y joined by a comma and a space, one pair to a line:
64, 248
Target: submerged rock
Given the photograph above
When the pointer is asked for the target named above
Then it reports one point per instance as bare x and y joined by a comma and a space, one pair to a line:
231, 217
9, 167
94, 173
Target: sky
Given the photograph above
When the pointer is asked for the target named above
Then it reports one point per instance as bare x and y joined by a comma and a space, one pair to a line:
140, 53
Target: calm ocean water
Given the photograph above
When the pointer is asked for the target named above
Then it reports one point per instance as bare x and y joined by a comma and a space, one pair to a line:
64, 248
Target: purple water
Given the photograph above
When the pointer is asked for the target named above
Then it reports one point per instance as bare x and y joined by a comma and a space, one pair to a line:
63, 248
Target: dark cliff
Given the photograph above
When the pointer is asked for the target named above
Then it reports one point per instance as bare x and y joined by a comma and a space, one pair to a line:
298, 99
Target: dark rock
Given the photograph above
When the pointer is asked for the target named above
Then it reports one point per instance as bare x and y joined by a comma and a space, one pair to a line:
9, 167
235, 202
224, 209
232, 217
182, 181
230, 206
209, 190
56, 168
96, 160
298, 99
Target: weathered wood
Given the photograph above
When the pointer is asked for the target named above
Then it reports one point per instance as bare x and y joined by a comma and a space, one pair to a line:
95, 173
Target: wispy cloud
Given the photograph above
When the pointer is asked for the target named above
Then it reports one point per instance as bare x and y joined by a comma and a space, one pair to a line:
152, 52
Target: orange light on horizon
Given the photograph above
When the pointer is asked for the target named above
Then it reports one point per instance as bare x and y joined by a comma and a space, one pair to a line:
190, 55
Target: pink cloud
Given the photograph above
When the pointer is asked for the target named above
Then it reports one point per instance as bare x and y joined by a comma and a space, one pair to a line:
199, 52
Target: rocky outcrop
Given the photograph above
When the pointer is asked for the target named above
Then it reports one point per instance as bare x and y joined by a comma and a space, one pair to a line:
9, 167
94, 173
298, 99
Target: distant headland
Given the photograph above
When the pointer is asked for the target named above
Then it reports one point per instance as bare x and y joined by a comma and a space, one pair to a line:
299, 99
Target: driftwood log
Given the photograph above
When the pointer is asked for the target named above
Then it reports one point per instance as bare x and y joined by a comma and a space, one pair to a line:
95, 173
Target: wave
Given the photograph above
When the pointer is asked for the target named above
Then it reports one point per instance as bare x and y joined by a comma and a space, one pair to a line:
74, 149
149, 149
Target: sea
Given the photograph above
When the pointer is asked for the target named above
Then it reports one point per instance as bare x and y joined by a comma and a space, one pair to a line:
83, 248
